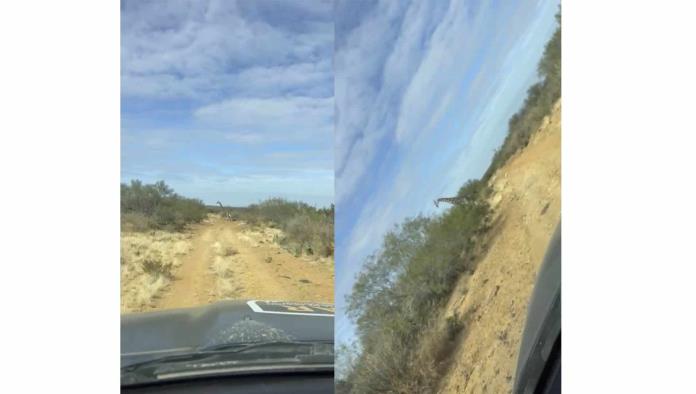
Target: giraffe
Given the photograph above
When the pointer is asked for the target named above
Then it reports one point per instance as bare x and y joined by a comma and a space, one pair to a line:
226, 213
451, 200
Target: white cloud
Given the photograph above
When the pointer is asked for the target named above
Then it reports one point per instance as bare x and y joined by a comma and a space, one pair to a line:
272, 118
308, 76
243, 137
370, 79
194, 49
229, 99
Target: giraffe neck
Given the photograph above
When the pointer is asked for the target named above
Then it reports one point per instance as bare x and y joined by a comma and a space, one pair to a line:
451, 200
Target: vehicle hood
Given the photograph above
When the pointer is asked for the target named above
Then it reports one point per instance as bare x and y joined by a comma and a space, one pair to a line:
149, 334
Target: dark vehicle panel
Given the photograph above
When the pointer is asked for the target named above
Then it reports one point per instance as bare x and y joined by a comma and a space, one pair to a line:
281, 383
144, 335
229, 346
539, 362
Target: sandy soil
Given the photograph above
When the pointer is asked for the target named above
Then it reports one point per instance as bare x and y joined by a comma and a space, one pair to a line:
230, 260
527, 203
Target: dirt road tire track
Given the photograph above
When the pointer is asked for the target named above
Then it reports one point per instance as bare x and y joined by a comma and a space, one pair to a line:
192, 281
261, 269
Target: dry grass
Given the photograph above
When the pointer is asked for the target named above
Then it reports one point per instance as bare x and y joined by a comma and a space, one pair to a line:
148, 263
223, 270
306, 230
256, 236
266, 235
434, 351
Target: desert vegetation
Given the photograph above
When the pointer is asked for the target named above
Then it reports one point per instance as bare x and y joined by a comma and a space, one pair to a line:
306, 230
159, 227
157, 207
401, 289
224, 259
153, 240
397, 301
540, 99
148, 261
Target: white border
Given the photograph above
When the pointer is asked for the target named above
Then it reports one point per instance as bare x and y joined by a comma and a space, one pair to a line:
254, 307
243, 370
148, 352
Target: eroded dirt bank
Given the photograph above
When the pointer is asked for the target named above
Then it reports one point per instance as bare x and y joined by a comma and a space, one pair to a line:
527, 203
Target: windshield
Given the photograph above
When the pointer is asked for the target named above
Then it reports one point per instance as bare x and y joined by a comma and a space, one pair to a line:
226, 178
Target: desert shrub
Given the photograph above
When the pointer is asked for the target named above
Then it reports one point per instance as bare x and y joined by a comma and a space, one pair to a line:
306, 229
229, 251
157, 268
454, 326
299, 230
156, 206
538, 103
148, 262
399, 292
135, 221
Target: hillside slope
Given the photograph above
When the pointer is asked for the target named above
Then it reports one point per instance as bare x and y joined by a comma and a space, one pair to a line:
526, 201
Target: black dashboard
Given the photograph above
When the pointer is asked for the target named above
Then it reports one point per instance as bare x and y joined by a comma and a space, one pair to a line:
310, 383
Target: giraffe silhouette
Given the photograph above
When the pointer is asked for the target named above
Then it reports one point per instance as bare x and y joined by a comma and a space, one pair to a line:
225, 212
451, 200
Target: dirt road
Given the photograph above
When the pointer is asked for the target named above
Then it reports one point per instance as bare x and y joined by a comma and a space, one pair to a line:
526, 202
230, 260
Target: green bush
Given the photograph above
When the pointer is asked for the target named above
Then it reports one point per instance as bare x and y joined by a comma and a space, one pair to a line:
308, 230
135, 221
157, 268
156, 206
538, 103
401, 289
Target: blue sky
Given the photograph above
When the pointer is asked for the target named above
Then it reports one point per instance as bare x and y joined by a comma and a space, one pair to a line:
424, 91
229, 100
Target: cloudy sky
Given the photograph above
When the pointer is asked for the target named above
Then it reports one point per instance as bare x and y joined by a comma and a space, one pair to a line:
229, 100
424, 91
